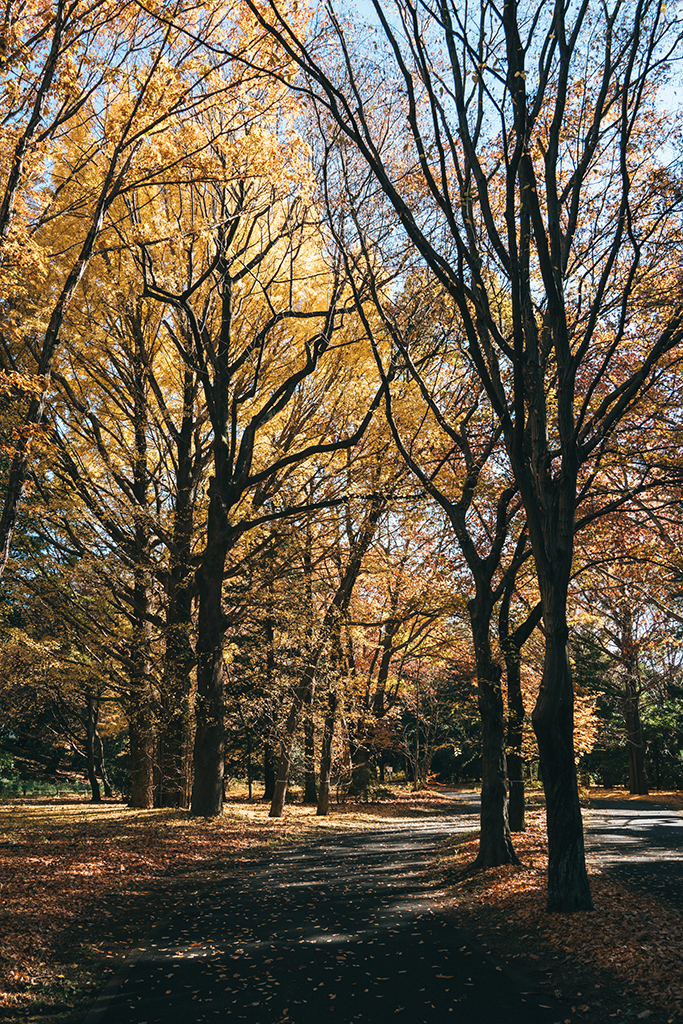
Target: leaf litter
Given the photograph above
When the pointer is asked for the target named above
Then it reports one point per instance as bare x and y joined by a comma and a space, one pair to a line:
621, 961
81, 883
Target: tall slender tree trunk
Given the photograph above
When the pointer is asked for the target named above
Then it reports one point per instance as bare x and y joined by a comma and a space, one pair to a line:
100, 765
495, 841
635, 743
326, 754
512, 643
287, 739
268, 770
269, 767
91, 730
310, 789
141, 718
209, 743
515, 734
634, 738
553, 721
173, 730
174, 714
174, 724
329, 628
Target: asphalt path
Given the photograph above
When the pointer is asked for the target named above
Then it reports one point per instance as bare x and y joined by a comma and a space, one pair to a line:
639, 844
344, 929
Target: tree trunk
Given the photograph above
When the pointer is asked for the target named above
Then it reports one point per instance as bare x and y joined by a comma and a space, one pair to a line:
310, 790
495, 841
326, 755
550, 505
178, 654
100, 766
515, 732
285, 754
330, 627
553, 721
209, 743
250, 767
174, 715
141, 715
91, 729
172, 750
268, 770
141, 734
512, 643
634, 739
631, 700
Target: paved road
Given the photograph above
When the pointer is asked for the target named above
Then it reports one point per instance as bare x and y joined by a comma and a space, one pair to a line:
640, 844
345, 929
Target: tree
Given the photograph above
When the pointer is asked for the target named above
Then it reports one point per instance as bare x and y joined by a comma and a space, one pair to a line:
527, 170
328, 636
453, 449
128, 452
253, 308
98, 103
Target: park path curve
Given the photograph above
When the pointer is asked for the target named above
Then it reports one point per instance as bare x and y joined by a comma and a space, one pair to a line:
639, 843
343, 929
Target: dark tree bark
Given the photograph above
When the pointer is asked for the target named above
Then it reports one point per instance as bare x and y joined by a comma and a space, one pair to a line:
209, 744
326, 754
141, 740
100, 765
629, 677
512, 642
495, 842
284, 762
140, 697
269, 756
553, 721
515, 734
179, 657
310, 788
634, 738
231, 357
269, 773
91, 732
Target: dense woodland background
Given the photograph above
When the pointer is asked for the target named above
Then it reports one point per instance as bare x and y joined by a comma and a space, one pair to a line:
341, 356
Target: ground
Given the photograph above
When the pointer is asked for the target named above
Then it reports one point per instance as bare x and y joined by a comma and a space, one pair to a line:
82, 884
618, 963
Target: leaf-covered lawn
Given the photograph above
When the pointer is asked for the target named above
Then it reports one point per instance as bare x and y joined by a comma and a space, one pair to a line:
620, 962
81, 883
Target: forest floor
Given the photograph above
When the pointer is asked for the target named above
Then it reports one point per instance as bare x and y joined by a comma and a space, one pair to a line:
80, 884
618, 963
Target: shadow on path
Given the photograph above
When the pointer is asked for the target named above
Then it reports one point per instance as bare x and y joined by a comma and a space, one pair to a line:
639, 844
344, 929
